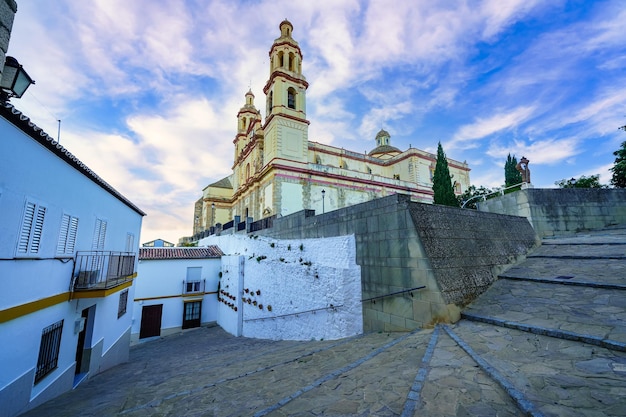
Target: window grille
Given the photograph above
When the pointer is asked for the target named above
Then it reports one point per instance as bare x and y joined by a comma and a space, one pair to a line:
67, 235
49, 350
121, 309
32, 227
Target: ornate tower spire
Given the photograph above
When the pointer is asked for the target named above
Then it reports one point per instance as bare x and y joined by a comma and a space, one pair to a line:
286, 87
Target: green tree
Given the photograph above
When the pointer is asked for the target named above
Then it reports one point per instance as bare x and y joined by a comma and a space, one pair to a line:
511, 175
592, 181
619, 168
442, 182
472, 193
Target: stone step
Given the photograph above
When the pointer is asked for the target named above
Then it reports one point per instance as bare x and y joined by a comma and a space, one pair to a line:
580, 251
595, 313
596, 272
549, 376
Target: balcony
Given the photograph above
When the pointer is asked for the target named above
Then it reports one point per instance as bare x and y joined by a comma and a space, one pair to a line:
100, 270
194, 287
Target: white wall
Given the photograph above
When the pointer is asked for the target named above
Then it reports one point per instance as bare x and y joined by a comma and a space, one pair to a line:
314, 292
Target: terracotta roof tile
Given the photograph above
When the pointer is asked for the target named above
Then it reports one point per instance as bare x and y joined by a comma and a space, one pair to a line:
180, 253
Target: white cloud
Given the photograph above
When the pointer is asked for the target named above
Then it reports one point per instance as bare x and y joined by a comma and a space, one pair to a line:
484, 127
549, 152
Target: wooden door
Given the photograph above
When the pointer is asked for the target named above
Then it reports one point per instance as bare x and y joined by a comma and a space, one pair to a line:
192, 314
151, 321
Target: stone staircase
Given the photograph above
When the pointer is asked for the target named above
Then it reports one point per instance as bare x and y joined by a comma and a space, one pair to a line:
551, 332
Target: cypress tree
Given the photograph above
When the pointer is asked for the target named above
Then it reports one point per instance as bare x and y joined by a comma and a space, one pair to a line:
442, 182
511, 175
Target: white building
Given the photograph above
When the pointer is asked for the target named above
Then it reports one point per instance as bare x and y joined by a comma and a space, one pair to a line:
68, 252
176, 289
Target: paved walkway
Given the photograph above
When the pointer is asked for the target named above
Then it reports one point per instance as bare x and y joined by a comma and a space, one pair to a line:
535, 343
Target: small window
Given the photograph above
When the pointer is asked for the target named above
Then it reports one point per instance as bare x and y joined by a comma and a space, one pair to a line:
396, 176
31, 230
49, 350
67, 235
291, 98
121, 309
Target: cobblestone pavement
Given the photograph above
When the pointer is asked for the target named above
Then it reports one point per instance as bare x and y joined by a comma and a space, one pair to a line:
531, 345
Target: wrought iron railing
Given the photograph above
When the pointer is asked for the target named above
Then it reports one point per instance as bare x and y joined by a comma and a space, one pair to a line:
96, 270
193, 287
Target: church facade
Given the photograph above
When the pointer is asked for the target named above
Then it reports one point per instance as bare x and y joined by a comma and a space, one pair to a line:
277, 170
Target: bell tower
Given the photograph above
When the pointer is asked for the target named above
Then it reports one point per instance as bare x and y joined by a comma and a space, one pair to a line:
286, 126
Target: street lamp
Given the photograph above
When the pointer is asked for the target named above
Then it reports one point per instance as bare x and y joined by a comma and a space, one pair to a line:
323, 194
14, 80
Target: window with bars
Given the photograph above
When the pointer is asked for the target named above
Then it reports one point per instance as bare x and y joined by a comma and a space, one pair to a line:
29, 240
67, 235
49, 350
121, 309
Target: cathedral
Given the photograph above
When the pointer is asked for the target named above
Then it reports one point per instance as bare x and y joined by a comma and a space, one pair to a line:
277, 170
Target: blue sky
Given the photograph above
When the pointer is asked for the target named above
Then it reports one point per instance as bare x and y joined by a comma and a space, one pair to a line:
147, 91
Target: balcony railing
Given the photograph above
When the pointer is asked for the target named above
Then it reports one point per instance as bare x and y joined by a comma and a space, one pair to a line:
193, 287
98, 270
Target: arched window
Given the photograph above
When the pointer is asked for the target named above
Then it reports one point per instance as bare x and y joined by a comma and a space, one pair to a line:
281, 61
243, 123
291, 61
270, 101
291, 98
247, 172
318, 159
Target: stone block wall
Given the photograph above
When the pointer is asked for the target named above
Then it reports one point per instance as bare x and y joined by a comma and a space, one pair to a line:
400, 245
7, 14
467, 249
564, 211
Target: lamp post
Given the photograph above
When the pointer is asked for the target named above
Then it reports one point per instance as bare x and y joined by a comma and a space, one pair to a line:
15, 80
323, 194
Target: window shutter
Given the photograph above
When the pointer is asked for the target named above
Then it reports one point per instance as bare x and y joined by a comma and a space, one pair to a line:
65, 225
27, 224
37, 230
71, 235
29, 239
99, 235
67, 234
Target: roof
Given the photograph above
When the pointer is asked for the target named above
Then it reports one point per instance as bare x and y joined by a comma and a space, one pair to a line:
223, 183
21, 121
384, 149
180, 253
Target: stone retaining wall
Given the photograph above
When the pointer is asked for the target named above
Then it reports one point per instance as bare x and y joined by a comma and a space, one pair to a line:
563, 211
400, 245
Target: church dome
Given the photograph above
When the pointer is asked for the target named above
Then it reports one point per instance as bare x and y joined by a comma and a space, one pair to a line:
382, 144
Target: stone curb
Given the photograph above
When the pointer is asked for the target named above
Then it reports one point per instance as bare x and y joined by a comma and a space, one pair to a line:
520, 400
544, 331
416, 389
567, 282
616, 257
